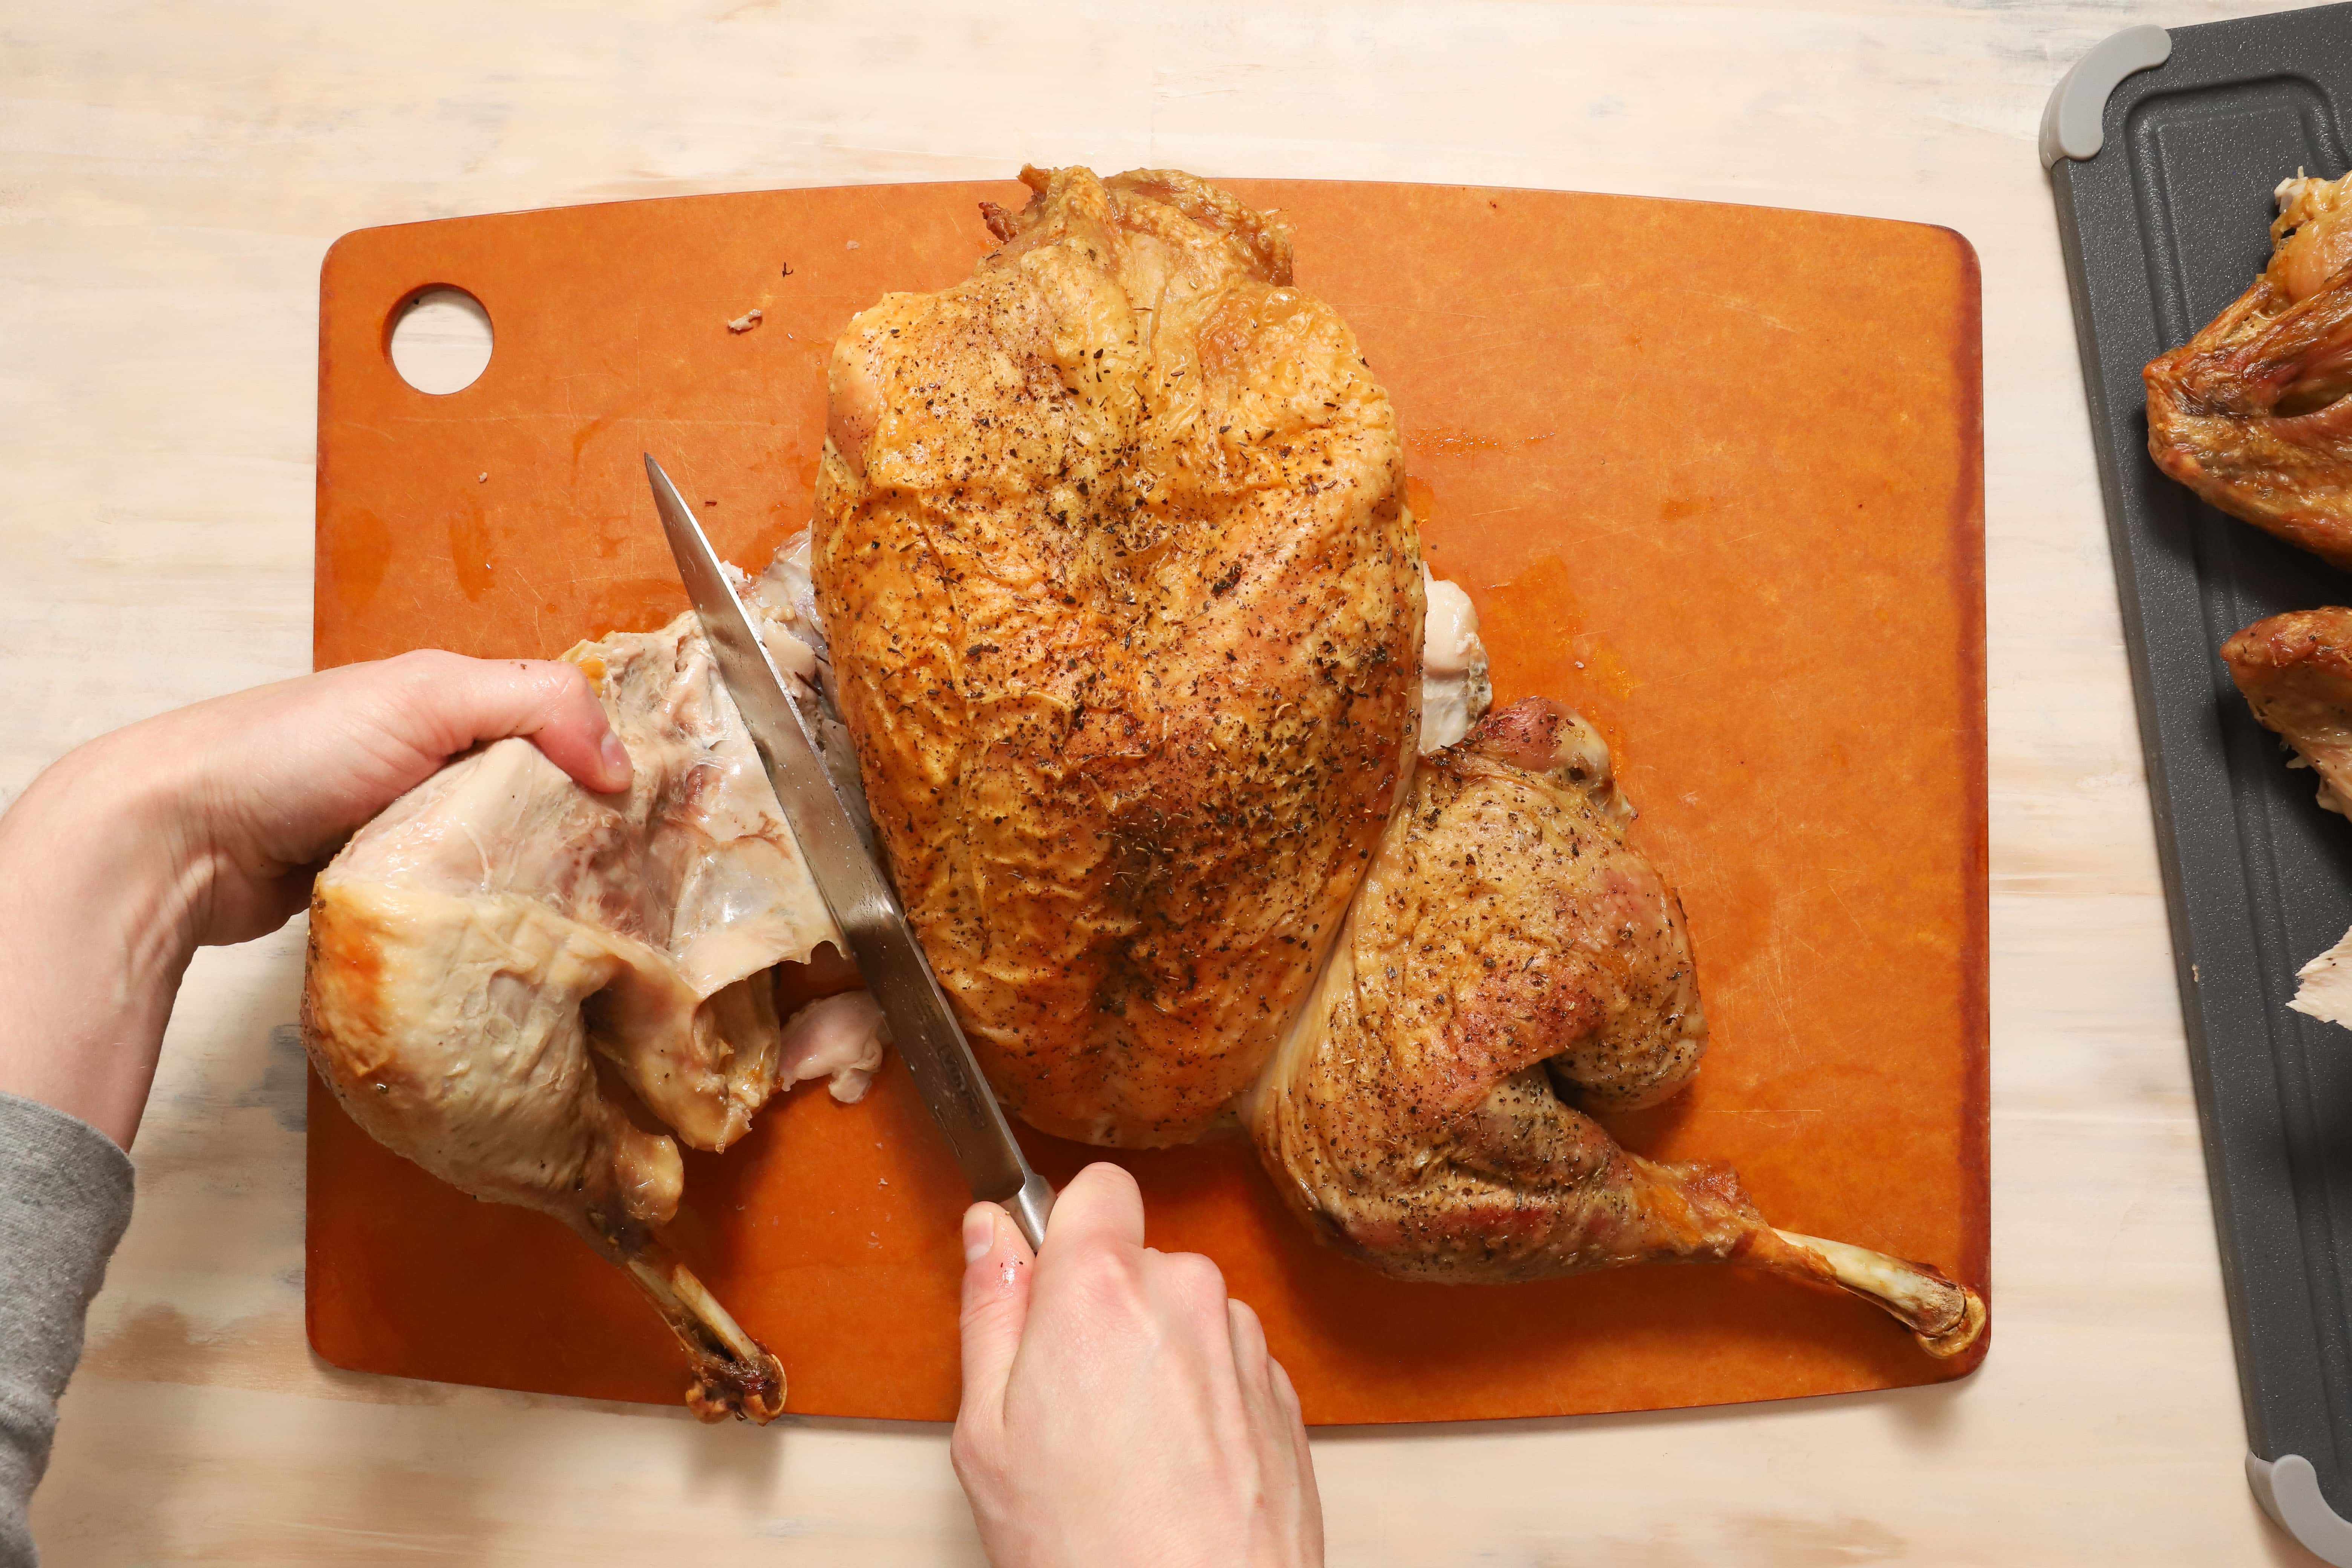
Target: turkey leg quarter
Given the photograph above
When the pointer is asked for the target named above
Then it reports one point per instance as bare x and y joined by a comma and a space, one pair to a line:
1510, 954
500, 957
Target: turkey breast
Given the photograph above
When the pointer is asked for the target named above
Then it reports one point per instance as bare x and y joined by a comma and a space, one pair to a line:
1125, 610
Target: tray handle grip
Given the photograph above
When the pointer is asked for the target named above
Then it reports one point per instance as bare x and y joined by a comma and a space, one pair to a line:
2288, 1489
2074, 120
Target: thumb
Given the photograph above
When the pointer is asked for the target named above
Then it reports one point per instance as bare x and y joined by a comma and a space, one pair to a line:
996, 1275
451, 702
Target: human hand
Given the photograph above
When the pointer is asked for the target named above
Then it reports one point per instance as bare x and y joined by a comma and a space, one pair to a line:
271, 781
206, 825
1118, 1407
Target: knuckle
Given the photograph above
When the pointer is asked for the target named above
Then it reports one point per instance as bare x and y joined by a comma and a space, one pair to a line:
1100, 1268
1249, 1334
571, 696
1286, 1393
422, 665
416, 680
549, 684
1199, 1283
977, 1312
566, 679
1110, 1279
403, 691
968, 1454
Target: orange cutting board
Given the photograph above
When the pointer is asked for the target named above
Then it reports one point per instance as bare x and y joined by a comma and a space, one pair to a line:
1712, 474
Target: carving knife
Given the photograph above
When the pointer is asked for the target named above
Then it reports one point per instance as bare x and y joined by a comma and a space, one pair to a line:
863, 905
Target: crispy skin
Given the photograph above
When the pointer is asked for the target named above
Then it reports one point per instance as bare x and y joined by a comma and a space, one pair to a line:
2295, 672
1510, 953
1508, 950
2250, 413
1508, 956
1125, 610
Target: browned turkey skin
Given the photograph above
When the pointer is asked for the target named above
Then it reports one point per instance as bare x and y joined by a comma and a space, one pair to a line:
1508, 958
1125, 610
2295, 672
2250, 413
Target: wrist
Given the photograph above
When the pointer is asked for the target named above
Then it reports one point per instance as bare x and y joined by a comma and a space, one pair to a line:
99, 891
121, 833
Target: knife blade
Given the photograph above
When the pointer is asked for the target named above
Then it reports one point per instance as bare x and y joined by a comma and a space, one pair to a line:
863, 905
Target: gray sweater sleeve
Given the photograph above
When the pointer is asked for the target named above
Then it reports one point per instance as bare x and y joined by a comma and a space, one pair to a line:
64, 1196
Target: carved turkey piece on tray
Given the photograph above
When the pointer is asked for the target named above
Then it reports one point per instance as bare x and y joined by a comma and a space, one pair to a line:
2250, 413
1125, 612
1510, 959
2295, 672
499, 943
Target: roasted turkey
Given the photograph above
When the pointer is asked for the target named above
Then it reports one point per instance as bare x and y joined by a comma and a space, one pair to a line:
2249, 413
1133, 641
1125, 610
1114, 615
1510, 960
2295, 672
501, 956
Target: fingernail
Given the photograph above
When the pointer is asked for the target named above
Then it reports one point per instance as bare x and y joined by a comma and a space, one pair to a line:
617, 756
979, 1232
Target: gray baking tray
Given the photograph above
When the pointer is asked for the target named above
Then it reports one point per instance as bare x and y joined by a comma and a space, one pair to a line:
2162, 149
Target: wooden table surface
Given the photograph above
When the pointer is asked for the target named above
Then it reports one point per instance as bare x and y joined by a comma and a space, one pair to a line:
173, 175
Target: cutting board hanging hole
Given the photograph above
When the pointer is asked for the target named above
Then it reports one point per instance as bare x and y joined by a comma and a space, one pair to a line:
440, 339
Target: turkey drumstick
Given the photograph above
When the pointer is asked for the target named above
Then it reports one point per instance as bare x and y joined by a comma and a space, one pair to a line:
1506, 954
501, 960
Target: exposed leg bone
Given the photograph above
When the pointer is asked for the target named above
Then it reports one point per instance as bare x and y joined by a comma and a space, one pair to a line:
1946, 1318
734, 1374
